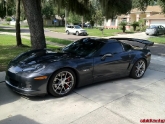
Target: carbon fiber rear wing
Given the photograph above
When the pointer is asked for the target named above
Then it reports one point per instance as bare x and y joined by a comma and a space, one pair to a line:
146, 42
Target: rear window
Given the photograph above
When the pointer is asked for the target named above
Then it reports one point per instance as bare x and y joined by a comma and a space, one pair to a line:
127, 47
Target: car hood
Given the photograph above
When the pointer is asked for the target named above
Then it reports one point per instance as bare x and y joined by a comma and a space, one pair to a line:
34, 57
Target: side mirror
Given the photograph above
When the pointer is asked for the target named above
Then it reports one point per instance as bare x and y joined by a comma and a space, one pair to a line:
106, 55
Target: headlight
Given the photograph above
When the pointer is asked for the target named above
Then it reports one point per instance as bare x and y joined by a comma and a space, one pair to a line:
34, 68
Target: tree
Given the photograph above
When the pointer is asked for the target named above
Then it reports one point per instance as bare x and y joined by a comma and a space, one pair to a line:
74, 18
134, 25
112, 8
35, 22
18, 32
123, 24
47, 9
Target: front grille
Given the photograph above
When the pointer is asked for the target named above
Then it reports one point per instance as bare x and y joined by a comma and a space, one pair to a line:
14, 82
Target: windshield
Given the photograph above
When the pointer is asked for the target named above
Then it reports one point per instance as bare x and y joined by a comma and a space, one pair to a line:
84, 47
77, 27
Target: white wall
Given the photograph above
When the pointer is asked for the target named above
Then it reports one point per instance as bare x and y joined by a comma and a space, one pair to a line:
157, 22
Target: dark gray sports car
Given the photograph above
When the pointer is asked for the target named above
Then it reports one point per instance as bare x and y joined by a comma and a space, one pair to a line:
83, 62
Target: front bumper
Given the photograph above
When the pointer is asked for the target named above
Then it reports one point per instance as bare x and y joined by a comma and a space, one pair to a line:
24, 91
83, 33
26, 85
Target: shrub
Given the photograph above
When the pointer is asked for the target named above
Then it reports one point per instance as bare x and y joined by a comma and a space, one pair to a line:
123, 24
8, 19
134, 25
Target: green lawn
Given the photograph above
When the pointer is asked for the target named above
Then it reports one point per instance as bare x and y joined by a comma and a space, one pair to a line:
56, 29
56, 40
158, 39
91, 31
9, 50
106, 32
59, 41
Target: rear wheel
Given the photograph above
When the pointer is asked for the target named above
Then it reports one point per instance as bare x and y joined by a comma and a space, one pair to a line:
138, 69
62, 82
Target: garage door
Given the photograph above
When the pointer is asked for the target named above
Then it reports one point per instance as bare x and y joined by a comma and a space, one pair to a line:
158, 22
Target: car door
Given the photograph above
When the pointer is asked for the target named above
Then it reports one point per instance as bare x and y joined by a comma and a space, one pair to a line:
111, 62
159, 30
162, 30
71, 29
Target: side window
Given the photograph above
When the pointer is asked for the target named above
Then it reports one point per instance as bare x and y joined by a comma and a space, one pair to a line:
127, 47
112, 48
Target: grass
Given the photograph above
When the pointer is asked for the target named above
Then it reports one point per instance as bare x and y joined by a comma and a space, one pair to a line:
59, 41
9, 50
106, 32
56, 40
57, 29
158, 39
92, 31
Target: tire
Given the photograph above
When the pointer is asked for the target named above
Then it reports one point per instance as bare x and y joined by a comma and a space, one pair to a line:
138, 69
77, 33
67, 32
62, 83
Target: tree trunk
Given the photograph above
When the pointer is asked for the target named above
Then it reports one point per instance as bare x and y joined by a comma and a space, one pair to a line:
35, 21
82, 22
17, 26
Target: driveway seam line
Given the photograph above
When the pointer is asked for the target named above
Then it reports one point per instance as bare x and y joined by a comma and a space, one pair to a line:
120, 115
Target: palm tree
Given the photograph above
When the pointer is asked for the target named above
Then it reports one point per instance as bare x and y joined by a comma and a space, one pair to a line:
134, 25
123, 24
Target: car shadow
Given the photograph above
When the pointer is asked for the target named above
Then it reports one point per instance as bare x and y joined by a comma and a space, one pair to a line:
18, 119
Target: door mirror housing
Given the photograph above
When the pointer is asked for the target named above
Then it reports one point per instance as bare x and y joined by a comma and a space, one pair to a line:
106, 55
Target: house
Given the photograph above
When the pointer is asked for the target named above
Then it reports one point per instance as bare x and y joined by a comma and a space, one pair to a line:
157, 19
53, 21
152, 15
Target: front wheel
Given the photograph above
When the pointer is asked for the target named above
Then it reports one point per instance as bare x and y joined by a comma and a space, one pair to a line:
138, 69
67, 32
77, 33
62, 82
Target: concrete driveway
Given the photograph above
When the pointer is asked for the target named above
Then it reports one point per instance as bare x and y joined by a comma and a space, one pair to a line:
120, 101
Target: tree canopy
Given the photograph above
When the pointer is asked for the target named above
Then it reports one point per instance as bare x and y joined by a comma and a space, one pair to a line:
109, 8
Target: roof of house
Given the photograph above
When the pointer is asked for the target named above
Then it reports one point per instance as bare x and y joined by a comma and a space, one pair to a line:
148, 9
156, 16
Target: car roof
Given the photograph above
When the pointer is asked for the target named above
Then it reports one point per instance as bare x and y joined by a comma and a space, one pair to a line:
103, 40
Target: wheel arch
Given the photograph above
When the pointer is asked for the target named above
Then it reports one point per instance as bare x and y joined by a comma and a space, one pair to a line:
135, 60
74, 70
